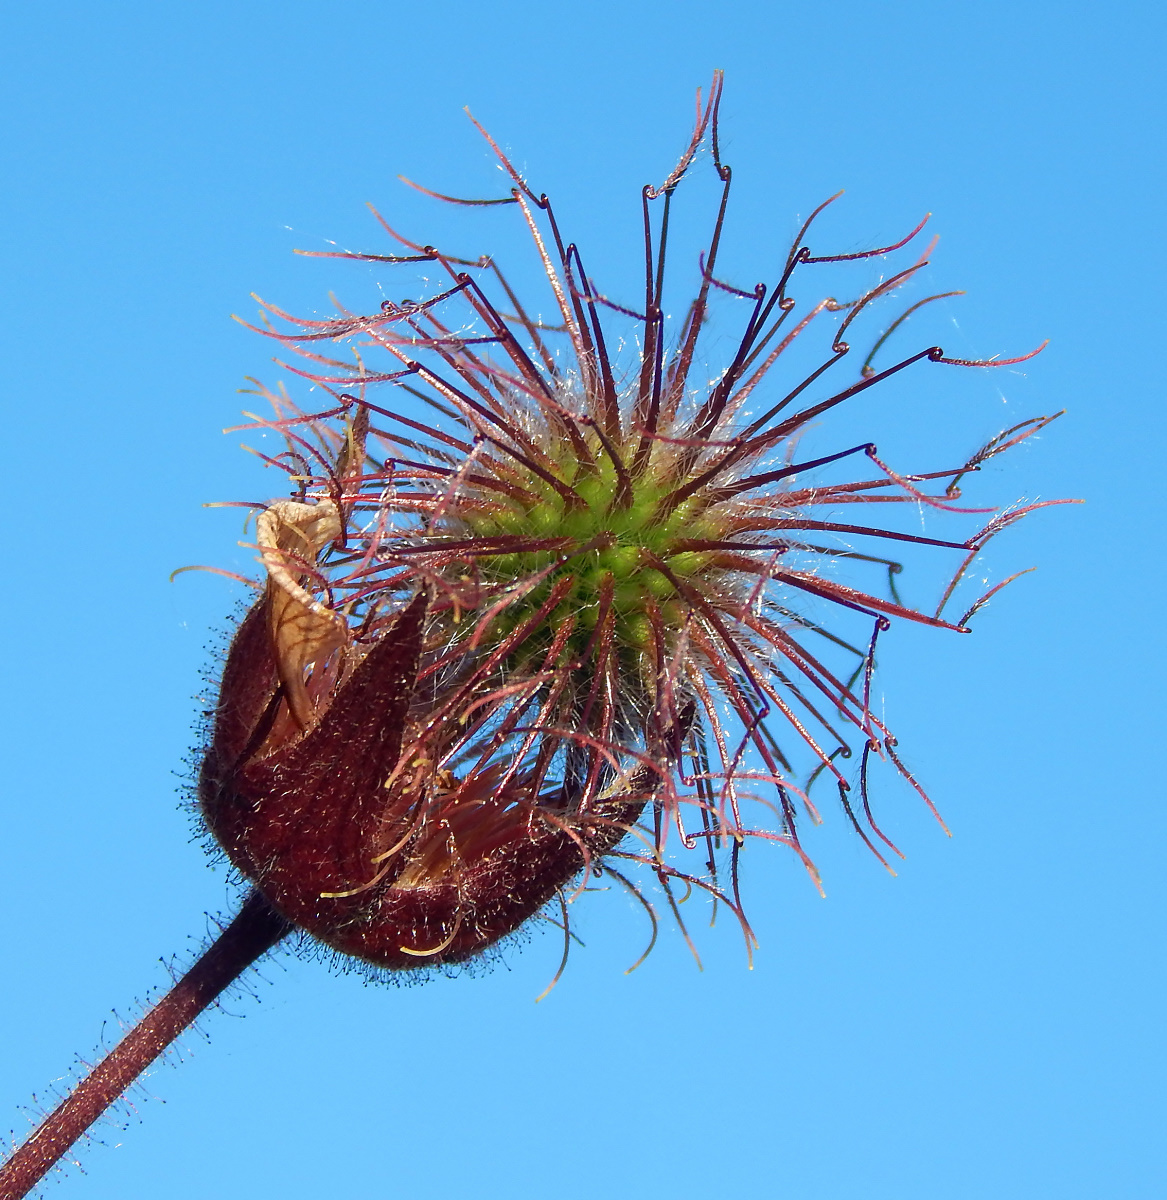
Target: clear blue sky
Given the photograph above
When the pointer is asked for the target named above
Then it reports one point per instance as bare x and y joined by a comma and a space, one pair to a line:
988, 1024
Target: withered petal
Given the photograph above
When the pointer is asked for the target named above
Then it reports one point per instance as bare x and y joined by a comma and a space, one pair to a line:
303, 631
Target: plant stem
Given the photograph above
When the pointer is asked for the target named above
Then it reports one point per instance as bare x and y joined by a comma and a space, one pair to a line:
253, 932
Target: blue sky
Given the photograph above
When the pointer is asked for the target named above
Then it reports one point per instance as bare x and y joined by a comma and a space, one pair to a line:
988, 1024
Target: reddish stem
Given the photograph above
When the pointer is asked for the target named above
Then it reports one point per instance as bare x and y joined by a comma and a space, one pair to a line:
252, 933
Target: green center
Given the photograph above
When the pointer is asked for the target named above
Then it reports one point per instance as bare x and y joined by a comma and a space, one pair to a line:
611, 545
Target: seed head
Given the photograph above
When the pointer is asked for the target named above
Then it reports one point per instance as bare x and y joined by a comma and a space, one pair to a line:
530, 613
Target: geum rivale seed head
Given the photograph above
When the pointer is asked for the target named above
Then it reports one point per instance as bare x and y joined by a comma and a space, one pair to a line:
561, 614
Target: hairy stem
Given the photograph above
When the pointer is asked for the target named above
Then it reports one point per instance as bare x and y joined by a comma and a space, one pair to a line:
253, 932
